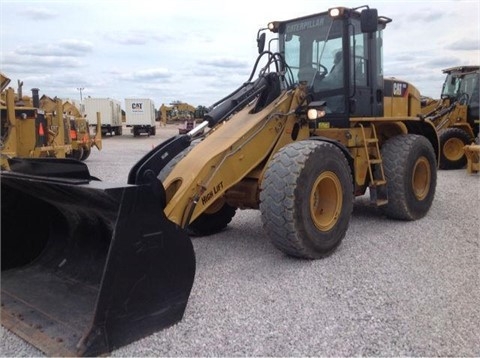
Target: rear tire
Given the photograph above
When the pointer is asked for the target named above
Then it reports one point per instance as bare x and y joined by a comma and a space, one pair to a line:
452, 141
306, 198
411, 174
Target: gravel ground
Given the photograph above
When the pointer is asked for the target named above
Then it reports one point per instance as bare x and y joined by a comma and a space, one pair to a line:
391, 289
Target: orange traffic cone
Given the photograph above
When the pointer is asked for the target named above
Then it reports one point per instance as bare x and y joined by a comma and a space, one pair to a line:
40, 130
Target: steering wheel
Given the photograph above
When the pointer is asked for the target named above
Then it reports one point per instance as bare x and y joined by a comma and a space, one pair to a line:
463, 98
322, 71
309, 73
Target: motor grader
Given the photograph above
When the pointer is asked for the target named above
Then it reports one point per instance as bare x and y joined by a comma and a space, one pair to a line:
298, 141
27, 131
77, 126
82, 139
455, 115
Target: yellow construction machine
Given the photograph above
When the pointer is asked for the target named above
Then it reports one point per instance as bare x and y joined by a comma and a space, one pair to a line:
177, 111
164, 112
455, 115
82, 139
314, 126
77, 127
27, 131
472, 153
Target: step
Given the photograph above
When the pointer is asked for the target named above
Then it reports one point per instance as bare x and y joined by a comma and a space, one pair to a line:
375, 199
380, 202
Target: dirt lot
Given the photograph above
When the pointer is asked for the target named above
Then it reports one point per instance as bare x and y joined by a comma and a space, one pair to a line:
392, 288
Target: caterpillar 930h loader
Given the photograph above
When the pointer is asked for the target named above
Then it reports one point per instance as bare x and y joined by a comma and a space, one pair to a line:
455, 115
102, 265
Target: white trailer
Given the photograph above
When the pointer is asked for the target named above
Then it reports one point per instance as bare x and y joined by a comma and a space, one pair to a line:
110, 112
140, 115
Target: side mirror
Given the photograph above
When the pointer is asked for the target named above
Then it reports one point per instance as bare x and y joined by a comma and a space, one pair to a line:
369, 20
261, 42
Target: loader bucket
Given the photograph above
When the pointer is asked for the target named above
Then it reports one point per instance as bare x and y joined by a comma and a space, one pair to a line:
87, 267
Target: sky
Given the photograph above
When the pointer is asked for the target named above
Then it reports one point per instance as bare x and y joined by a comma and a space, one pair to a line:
198, 51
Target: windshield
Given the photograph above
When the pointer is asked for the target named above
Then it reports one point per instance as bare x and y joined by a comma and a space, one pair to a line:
312, 48
451, 86
469, 86
458, 85
313, 51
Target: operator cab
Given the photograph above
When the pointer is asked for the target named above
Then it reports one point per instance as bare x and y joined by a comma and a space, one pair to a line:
338, 54
462, 85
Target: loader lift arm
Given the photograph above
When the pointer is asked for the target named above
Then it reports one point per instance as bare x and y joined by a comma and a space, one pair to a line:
267, 84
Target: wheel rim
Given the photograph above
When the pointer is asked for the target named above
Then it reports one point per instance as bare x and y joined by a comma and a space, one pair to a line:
453, 149
326, 201
421, 178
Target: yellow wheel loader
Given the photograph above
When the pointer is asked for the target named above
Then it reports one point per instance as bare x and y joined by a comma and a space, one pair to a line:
455, 114
314, 126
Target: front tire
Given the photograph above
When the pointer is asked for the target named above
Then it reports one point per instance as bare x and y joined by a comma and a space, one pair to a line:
214, 219
411, 174
306, 198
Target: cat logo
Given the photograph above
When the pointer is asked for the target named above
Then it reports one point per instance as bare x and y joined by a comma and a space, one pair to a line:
399, 89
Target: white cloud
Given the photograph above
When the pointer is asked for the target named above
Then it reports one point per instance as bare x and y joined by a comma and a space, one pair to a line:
199, 51
38, 14
32, 61
65, 48
465, 44
153, 74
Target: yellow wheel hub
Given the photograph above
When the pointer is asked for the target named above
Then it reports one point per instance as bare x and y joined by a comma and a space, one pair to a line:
421, 178
326, 201
453, 149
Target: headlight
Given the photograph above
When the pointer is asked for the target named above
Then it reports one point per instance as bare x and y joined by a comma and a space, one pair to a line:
274, 26
314, 113
336, 11
316, 110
